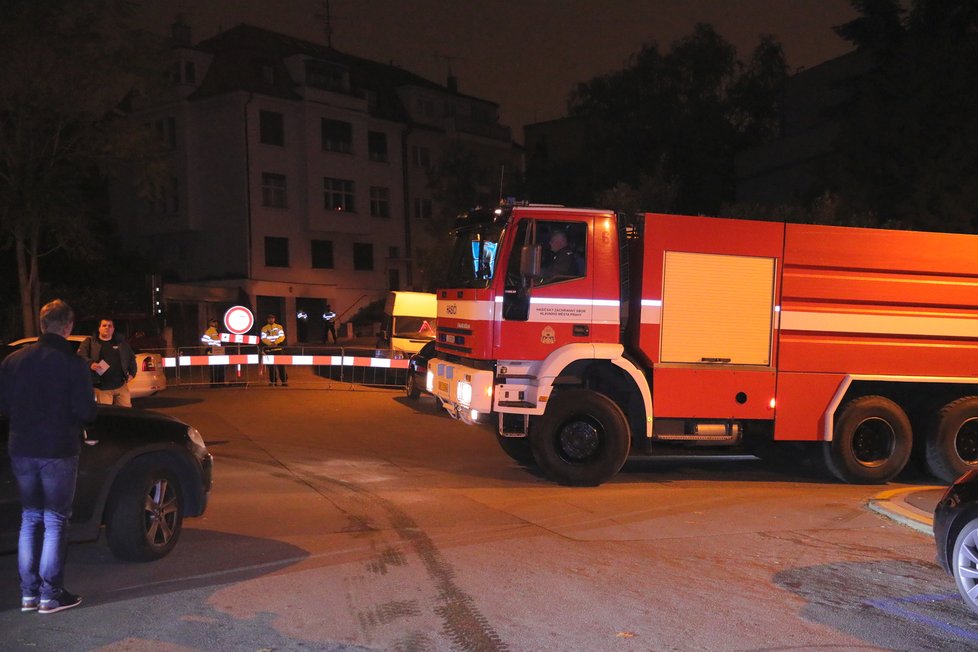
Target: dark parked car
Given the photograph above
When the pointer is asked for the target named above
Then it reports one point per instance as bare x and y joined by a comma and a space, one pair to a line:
417, 371
956, 535
140, 473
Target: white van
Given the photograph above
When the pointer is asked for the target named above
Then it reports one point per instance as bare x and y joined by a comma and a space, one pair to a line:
409, 320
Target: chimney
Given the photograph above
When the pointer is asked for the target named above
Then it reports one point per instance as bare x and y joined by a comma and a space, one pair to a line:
180, 32
452, 83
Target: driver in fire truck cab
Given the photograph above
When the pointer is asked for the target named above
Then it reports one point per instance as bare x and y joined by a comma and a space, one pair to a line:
565, 263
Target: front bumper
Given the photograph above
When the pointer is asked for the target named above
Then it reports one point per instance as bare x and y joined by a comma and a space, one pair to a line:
464, 391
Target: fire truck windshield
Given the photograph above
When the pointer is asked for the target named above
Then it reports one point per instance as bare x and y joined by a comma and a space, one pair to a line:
474, 257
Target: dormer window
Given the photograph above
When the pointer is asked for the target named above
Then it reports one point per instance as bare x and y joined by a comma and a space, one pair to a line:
327, 76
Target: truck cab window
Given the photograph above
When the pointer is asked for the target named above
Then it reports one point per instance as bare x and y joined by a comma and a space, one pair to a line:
563, 245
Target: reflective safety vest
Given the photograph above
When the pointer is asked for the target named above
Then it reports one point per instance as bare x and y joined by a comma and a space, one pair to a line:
272, 334
211, 337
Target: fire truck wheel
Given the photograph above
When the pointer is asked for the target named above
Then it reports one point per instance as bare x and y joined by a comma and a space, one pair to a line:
581, 440
872, 441
952, 439
518, 448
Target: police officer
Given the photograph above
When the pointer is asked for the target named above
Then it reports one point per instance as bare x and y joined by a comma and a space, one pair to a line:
330, 318
272, 339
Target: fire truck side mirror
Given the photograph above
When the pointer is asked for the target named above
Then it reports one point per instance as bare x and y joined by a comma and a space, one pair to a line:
531, 257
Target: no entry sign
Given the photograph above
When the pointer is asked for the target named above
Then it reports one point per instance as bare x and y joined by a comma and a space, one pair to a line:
238, 320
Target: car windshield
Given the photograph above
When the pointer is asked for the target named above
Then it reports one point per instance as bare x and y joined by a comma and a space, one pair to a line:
473, 261
419, 327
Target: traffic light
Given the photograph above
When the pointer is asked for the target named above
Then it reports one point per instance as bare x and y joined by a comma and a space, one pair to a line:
156, 291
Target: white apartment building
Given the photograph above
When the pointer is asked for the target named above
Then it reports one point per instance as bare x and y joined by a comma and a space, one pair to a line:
297, 177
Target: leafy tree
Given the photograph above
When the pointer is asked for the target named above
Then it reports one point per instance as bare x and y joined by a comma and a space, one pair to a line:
66, 66
682, 115
459, 182
909, 141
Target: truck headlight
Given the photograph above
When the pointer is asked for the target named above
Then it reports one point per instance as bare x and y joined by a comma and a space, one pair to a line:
464, 393
429, 382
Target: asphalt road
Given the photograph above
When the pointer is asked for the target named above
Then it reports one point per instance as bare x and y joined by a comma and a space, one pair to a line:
345, 519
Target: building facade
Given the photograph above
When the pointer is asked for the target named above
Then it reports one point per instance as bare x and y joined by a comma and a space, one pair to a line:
293, 176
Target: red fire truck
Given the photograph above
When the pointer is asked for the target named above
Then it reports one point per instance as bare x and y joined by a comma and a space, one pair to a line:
585, 337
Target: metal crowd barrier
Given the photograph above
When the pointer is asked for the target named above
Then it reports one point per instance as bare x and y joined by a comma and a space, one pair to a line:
306, 366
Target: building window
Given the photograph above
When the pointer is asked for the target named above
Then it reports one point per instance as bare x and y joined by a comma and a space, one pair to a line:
422, 208
273, 190
272, 128
363, 256
322, 254
166, 132
421, 156
380, 201
377, 145
337, 136
338, 195
328, 76
276, 252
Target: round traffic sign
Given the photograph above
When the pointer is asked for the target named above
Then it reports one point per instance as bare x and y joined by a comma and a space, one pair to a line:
238, 320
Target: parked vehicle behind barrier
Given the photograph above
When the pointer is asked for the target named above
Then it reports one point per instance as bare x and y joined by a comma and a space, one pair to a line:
409, 321
150, 376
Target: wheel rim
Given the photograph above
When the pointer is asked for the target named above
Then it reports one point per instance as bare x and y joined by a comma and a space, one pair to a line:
873, 441
966, 568
161, 511
966, 441
578, 440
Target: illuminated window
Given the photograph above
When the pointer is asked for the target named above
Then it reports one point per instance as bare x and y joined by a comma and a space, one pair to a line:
338, 195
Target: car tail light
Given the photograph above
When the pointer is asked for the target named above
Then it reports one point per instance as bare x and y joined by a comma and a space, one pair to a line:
148, 364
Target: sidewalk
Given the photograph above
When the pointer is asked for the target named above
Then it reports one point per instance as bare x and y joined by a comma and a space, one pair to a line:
911, 506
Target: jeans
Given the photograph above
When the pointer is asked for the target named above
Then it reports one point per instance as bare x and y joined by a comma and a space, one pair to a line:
47, 490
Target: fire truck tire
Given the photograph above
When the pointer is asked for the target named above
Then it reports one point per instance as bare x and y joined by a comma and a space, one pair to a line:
518, 449
581, 440
872, 441
952, 439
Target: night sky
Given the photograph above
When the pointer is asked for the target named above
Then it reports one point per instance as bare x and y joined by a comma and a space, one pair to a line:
525, 55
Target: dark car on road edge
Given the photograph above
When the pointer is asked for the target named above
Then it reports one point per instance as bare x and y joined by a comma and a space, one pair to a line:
956, 535
417, 371
140, 473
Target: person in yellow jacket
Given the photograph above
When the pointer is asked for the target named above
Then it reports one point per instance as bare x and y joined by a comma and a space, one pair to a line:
272, 339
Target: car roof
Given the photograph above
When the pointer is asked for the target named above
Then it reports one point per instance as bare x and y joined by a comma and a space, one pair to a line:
29, 340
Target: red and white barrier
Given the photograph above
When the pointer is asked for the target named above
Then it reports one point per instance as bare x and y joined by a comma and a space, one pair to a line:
239, 339
296, 360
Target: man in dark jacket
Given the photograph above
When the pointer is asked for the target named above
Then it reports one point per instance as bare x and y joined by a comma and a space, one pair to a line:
46, 392
113, 365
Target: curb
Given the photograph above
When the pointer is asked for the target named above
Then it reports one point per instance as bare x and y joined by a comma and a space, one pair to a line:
894, 505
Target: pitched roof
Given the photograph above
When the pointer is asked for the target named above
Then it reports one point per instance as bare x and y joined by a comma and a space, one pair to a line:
241, 52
